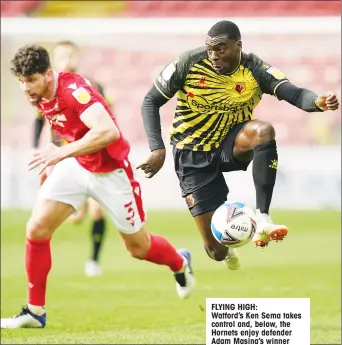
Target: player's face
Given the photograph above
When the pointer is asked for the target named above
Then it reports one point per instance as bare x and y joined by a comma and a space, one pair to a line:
223, 53
65, 58
35, 86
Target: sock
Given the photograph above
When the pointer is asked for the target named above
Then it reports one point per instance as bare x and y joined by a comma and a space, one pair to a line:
163, 253
97, 236
38, 265
265, 164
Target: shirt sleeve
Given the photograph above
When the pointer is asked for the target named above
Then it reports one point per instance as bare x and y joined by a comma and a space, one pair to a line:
172, 77
151, 118
267, 76
299, 97
81, 98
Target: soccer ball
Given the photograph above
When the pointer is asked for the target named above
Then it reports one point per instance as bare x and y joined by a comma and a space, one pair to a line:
233, 224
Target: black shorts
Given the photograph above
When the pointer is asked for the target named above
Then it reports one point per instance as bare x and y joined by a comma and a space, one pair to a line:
200, 173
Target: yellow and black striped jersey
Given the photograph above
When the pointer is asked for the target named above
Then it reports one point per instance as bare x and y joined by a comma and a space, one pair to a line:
209, 103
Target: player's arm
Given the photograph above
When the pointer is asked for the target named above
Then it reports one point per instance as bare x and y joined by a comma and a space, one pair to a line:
151, 119
168, 82
102, 133
150, 110
306, 99
102, 129
38, 128
274, 82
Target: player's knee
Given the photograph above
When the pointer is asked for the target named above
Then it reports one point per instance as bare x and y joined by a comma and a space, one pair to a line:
38, 229
263, 133
216, 252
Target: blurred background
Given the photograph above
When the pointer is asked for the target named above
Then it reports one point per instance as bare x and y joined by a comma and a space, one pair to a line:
124, 44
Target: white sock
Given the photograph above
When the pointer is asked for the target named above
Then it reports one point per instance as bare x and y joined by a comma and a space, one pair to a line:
37, 310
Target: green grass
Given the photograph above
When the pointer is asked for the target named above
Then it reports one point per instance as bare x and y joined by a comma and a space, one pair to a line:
135, 302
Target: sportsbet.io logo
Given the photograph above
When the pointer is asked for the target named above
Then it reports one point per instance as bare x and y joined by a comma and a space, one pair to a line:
199, 104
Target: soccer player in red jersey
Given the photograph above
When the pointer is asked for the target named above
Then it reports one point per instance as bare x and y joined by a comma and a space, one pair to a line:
94, 164
66, 59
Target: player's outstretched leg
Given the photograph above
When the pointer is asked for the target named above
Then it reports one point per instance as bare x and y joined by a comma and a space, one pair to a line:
119, 193
92, 266
260, 137
157, 249
47, 215
204, 189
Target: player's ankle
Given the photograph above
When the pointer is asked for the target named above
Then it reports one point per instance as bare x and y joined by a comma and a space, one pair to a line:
182, 270
37, 310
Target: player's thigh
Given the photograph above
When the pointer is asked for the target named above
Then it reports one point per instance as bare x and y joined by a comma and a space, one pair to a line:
67, 184
119, 193
194, 170
201, 181
47, 216
95, 209
233, 156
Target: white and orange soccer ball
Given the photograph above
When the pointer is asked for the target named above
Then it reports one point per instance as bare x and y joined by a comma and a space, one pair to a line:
233, 224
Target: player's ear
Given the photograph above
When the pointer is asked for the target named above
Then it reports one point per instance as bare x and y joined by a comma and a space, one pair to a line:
49, 74
239, 45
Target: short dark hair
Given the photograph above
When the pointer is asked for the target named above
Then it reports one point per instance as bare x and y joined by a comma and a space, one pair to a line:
29, 60
225, 27
67, 44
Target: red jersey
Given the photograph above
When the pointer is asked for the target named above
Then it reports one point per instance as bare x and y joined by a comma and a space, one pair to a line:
73, 95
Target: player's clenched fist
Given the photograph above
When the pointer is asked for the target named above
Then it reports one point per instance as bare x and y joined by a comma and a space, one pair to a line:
48, 156
329, 101
153, 163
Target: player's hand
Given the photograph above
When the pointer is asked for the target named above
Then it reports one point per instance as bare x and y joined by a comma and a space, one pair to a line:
328, 101
153, 163
48, 156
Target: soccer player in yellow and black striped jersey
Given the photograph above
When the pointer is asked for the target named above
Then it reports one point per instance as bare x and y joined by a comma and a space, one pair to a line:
218, 87
66, 56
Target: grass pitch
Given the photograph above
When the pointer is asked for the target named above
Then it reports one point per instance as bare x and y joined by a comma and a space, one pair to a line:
135, 302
